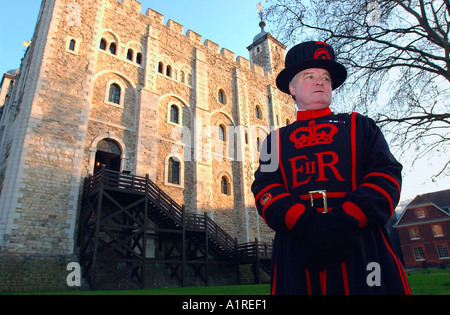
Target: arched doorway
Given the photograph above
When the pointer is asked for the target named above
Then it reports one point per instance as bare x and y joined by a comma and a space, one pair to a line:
108, 154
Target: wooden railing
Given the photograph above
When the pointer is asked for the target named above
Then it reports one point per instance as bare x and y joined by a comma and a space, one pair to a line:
254, 249
176, 212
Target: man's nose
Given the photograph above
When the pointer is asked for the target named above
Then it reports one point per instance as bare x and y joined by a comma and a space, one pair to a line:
319, 81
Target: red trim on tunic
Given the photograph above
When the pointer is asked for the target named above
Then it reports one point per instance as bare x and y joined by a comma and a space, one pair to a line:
345, 277
353, 144
265, 190
311, 114
323, 281
274, 280
308, 281
400, 269
272, 201
384, 193
279, 160
293, 214
351, 209
392, 179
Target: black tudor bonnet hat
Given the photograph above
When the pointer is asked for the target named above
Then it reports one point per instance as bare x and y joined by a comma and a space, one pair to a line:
310, 55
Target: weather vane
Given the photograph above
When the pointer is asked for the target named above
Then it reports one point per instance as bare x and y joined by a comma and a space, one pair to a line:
261, 11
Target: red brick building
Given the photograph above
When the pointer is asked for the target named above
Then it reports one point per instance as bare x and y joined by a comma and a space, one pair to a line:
424, 231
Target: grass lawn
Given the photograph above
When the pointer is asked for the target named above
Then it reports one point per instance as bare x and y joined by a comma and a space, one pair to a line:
430, 282
422, 282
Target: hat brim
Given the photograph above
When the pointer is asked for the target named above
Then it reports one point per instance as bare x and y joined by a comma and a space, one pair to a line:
337, 71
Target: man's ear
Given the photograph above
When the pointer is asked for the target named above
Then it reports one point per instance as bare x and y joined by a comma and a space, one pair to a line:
291, 89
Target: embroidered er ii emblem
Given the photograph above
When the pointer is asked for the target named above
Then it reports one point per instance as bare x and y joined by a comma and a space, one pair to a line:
313, 134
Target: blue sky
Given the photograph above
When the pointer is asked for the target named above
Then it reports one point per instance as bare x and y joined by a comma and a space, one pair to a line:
231, 24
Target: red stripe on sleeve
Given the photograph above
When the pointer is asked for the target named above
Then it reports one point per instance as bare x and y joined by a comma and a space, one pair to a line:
351, 209
392, 179
272, 201
266, 189
383, 192
293, 214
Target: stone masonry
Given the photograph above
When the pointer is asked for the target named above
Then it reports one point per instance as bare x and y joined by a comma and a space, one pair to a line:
60, 111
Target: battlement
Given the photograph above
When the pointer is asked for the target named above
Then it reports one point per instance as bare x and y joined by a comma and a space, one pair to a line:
157, 17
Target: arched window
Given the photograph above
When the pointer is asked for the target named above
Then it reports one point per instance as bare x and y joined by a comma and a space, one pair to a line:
103, 44
169, 71
113, 48
222, 134
160, 67
130, 54
258, 112
114, 93
287, 121
221, 97
139, 58
174, 171
174, 114
224, 185
182, 77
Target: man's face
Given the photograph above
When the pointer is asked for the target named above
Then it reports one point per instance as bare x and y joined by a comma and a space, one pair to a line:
312, 89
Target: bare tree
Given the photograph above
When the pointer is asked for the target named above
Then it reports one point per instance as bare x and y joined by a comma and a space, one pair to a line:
398, 57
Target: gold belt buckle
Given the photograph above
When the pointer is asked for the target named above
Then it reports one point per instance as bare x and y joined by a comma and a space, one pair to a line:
324, 196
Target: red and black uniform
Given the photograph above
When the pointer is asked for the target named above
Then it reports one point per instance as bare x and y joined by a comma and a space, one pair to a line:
344, 251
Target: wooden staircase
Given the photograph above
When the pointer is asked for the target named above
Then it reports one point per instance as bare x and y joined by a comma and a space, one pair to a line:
120, 211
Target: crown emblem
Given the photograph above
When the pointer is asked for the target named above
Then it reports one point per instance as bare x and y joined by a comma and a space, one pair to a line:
313, 134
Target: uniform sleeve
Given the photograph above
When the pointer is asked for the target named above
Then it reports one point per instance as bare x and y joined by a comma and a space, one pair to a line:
282, 211
375, 198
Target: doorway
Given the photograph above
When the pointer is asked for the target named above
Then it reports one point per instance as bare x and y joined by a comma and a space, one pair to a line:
108, 154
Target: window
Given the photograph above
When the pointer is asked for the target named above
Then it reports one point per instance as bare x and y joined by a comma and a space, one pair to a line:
224, 186
174, 114
169, 71
72, 45
437, 230
221, 97
114, 93
222, 133
182, 77
113, 48
442, 251
419, 254
139, 58
258, 112
258, 144
130, 54
174, 171
160, 67
103, 44
414, 233
420, 213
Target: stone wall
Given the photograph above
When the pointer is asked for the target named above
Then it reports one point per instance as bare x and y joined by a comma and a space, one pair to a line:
59, 111
31, 273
